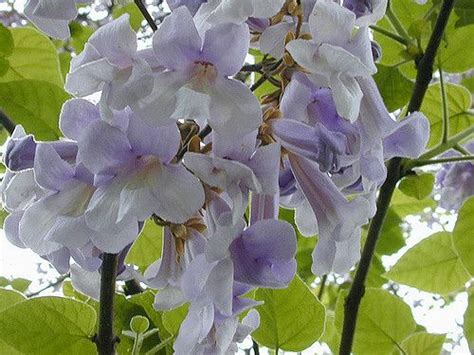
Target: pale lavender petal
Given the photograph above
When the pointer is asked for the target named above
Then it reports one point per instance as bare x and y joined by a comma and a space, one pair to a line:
264, 207
226, 46
76, 115
11, 228
177, 44
51, 172
104, 147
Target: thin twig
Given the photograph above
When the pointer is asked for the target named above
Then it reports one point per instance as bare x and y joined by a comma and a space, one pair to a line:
391, 35
451, 160
423, 78
444, 101
106, 339
6, 122
322, 287
58, 281
142, 7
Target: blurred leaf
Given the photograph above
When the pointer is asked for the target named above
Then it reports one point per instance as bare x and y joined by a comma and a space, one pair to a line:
391, 237
20, 284
456, 52
463, 235
394, 87
465, 10
35, 105
374, 277
9, 297
64, 62
384, 321
136, 17
417, 186
331, 335
6, 41
172, 319
291, 319
468, 82
33, 57
139, 324
469, 323
146, 300
459, 102
4, 66
393, 53
432, 265
147, 248
423, 344
49, 325
404, 205
79, 35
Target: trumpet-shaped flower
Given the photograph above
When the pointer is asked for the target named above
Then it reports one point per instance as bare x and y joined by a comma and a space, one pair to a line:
195, 84
335, 56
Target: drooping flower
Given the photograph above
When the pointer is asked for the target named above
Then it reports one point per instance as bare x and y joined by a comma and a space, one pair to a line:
335, 56
110, 63
455, 181
339, 220
195, 83
53, 17
257, 172
134, 173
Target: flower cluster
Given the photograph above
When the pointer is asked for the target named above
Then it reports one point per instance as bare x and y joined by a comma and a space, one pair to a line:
178, 138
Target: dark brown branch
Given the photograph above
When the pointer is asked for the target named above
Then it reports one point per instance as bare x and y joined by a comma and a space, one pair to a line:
142, 7
106, 339
6, 122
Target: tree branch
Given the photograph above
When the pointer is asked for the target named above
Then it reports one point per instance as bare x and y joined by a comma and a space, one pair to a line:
423, 78
142, 7
106, 339
6, 122
58, 281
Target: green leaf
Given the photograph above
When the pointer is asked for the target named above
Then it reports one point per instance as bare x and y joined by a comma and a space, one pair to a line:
394, 87
404, 205
374, 277
465, 10
468, 83
34, 57
35, 105
331, 335
417, 186
304, 256
172, 319
136, 17
459, 102
65, 62
391, 236
20, 284
432, 265
9, 297
49, 325
291, 319
139, 324
384, 321
6, 41
423, 344
456, 53
147, 248
469, 323
463, 235
4, 66
79, 35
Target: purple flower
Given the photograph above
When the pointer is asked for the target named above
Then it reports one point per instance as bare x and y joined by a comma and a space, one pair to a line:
134, 173
339, 220
195, 84
192, 5
53, 17
110, 63
455, 181
335, 56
